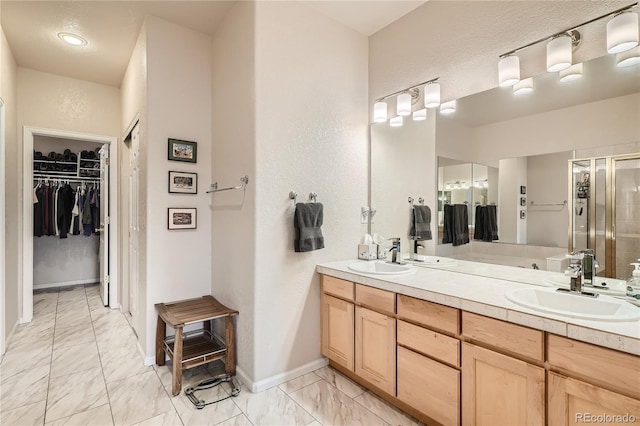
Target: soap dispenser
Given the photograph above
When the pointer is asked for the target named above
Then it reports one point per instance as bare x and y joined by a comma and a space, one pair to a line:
633, 285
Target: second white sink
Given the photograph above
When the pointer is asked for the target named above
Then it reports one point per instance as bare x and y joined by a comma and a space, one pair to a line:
603, 308
381, 268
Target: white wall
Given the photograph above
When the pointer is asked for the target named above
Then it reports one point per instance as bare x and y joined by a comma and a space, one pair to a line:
233, 154
11, 189
547, 184
178, 106
311, 135
513, 174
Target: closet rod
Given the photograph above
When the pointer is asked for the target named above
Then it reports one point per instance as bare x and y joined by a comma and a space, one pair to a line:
65, 179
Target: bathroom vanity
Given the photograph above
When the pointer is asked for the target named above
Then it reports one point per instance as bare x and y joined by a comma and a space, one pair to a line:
450, 348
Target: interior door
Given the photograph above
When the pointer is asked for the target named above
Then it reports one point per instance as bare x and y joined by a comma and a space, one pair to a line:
103, 254
134, 230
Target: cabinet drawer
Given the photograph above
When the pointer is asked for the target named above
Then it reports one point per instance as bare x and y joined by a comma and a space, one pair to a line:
377, 299
337, 287
428, 342
511, 337
429, 314
617, 370
429, 387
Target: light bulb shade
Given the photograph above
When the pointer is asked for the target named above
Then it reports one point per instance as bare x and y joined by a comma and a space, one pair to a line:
523, 86
404, 104
574, 72
448, 107
622, 32
628, 57
432, 95
420, 114
509, 71
396, 121
380, 112
559, 53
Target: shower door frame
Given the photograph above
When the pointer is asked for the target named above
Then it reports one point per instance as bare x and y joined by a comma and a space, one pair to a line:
610, 205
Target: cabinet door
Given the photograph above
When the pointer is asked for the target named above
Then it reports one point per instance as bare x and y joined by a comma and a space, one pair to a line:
500, 390
572, 402
337, 330
376, 349
429, 386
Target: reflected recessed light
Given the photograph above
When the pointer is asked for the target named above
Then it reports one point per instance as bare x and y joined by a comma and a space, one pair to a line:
72, 39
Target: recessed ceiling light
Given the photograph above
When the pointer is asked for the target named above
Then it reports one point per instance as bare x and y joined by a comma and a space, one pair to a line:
72, 39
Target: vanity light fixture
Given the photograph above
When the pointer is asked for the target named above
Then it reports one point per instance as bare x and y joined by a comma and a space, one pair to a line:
509, 71
523, 86
405, 99
396, 121
622, 35
403, 105
432, 94
420, 114
448, 107
628, 58
380, 112
574, 72
622, 32
72, 39
559, 52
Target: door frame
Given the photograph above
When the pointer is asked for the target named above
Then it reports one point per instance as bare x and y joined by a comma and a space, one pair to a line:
2, 225
28, 135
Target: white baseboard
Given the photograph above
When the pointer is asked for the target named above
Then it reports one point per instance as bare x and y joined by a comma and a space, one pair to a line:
278, 379
66, 283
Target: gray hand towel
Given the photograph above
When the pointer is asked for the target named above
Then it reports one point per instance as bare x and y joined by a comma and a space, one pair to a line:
307, 221
421, 223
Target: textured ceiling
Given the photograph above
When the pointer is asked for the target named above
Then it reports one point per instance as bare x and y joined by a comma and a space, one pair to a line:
112, 27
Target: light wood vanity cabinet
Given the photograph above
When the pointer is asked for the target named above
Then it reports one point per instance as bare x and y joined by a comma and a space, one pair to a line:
337, 317
452, 367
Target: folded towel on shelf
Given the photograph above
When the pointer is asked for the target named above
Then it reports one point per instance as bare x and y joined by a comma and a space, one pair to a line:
307, 221
421, 223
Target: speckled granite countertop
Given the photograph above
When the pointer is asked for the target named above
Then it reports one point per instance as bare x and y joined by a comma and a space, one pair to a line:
486, 296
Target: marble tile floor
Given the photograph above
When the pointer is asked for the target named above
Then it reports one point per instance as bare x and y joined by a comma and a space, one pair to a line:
77, 363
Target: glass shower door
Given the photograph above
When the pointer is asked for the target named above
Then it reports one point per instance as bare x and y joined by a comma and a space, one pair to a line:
625, 227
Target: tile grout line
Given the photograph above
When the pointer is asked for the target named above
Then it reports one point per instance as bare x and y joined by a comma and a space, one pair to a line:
55, 320
104, 378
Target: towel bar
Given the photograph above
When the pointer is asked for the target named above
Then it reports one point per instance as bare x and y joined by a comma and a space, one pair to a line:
564, 203
244, 181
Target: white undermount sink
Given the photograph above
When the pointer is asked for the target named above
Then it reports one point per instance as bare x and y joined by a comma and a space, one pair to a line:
602, 308
381, 268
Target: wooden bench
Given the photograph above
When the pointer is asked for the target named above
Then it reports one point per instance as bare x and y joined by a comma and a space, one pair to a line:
198, 347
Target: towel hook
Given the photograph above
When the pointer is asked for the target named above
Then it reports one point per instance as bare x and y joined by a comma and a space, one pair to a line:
293, 195
410, 200
421, 201
313, 196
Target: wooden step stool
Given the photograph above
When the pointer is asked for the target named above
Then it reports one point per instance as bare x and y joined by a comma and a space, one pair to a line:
198, 347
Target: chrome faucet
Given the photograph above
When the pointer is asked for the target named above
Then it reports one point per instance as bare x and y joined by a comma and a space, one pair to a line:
395, 250
582, 267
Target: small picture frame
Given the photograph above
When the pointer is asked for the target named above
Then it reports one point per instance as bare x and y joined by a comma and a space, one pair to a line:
180, 150
523, 201
523, 190
523, 214
183, 182
182, 218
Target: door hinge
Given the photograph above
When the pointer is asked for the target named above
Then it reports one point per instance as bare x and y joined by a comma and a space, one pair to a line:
107, 161
107, 279
107, 220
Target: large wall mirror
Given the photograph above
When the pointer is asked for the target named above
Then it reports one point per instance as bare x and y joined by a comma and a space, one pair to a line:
512, 152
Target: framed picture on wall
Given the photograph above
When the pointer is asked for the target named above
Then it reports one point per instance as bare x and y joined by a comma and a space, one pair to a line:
183, 182
523, 214
180, 150
523, 201
523, 190
182, 218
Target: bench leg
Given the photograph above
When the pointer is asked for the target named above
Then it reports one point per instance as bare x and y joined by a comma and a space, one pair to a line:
230, 341
177, 363
161, 331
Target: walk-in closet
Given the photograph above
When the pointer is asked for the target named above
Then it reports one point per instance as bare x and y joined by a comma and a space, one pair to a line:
66, 212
